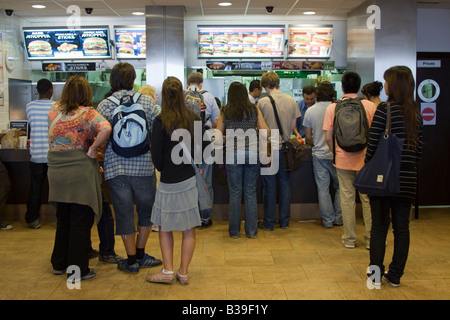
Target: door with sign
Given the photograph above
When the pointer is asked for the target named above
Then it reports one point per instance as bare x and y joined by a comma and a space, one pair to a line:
433, 96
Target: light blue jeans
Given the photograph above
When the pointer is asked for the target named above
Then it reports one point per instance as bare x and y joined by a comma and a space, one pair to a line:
242, 178
324, 173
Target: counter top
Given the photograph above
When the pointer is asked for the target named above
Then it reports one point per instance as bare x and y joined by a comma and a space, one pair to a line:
15, 155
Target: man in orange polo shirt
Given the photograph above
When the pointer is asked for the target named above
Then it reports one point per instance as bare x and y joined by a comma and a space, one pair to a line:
348, 164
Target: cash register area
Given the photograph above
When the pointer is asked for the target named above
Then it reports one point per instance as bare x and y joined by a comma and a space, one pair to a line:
305, 261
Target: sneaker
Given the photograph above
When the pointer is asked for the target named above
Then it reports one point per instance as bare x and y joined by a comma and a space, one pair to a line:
183, 279
5, 226
162, 277
36, 224
261, 226
124, 266
89, 275
389, 279
155, 228
58, 272
348, 245
205, 225
113, 258
148, 261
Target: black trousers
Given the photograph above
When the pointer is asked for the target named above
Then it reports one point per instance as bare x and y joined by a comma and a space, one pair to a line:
38, 172
383, 210
72, 239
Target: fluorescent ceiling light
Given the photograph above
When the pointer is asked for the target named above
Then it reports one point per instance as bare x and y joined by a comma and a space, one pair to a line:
225, 4
309, 13
138, 13
38, 6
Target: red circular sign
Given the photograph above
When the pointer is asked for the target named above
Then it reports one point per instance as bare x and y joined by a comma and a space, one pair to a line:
428, 114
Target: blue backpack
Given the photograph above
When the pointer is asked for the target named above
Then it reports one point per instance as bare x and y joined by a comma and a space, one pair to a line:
130, 134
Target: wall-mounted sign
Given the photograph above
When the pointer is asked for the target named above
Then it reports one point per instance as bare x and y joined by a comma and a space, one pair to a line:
67, 44
73, 66
131, 42
240, 42
428, 111
309, 41
428, 90
429, 63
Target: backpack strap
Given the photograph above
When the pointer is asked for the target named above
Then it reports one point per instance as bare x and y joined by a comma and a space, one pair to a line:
114, 100
136, 97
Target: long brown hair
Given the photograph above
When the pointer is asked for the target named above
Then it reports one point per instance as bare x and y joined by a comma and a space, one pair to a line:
239, 106
77, 92
400, 87
174, 113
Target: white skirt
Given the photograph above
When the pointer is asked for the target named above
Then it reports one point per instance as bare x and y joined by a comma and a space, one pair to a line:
176, 206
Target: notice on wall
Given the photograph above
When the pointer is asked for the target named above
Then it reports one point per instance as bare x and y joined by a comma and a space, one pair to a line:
428, 111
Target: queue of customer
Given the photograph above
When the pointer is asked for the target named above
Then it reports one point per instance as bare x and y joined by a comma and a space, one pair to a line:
77, 133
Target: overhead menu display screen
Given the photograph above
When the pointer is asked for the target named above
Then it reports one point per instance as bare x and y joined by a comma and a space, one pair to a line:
131, 42
67, 44
240, 42
310, 41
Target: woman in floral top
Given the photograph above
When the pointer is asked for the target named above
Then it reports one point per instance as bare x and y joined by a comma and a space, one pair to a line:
73, 175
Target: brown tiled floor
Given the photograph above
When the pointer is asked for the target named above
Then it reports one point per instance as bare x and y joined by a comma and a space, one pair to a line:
305, 261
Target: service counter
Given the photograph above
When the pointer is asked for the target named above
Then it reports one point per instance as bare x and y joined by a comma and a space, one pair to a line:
303, 188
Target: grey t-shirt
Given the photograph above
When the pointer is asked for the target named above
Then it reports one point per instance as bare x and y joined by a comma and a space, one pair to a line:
313, 118
287, 111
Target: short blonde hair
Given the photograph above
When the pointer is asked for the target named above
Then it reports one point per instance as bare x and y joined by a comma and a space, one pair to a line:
147, 90
270, 80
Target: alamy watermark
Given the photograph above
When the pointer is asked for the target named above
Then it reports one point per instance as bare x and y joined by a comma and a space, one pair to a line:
253, 140
74, 278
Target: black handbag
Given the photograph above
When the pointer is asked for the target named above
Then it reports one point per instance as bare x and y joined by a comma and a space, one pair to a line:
291, 150
380, 176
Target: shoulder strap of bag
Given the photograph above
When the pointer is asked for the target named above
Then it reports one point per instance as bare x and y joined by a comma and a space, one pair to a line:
388, 120
114, 100
188, 154
55, 121
276, 116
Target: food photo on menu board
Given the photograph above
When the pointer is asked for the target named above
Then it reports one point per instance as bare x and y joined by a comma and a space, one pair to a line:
67, 43
240, 42
131, 43
310, 41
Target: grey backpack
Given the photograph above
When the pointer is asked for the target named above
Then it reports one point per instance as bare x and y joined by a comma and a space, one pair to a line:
351, 126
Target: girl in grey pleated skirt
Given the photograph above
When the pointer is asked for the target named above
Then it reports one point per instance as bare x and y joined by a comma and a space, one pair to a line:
176, 206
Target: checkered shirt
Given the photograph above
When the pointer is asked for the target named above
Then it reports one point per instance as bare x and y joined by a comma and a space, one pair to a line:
116, 165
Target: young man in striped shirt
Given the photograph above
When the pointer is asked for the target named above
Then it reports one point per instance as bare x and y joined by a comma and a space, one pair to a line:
37, 115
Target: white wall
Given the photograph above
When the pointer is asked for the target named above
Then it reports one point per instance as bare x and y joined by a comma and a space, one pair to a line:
10, 27
433, 28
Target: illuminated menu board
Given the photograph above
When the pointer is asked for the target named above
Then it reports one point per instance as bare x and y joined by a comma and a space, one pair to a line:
310, 41
240, 42
131, 42
68, 44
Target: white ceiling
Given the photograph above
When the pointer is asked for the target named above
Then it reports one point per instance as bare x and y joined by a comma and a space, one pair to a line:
124, 8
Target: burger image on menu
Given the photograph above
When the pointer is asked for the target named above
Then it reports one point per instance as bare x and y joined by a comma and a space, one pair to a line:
95, 46
126, 50
40, 48
126, 39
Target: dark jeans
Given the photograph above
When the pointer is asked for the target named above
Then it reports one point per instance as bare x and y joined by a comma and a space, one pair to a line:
38, 172
5, 185
105, 228
73, 230
242, 179
382, 210
270, 197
